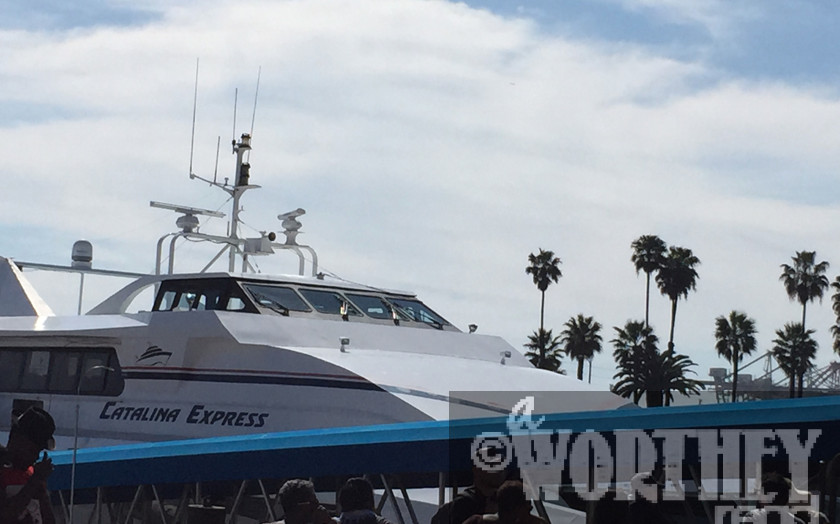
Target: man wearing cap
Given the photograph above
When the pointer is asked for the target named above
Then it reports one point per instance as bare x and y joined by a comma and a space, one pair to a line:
23, 478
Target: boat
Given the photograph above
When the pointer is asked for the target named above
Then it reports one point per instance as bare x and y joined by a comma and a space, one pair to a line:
181, 355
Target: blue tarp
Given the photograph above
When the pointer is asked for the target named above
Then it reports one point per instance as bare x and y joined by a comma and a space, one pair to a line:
408, 448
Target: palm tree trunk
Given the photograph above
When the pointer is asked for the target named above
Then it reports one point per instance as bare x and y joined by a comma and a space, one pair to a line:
647, 300
734, 376
542, 311
580, 369
803, 315
542, 329
590, 371
801, 381
673, 319
792, 385
653, 399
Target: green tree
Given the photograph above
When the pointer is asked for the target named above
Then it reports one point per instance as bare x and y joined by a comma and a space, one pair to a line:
545, 351
676, 278
643, 370
581, 339
805, 280
734, 338
669, 374
545, 269
835, 306
648, 256
634, 348
794, 350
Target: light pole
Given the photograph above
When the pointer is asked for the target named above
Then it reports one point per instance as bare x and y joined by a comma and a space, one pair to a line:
76, 435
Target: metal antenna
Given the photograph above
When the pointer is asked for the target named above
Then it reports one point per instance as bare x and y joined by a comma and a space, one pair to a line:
254, 114
235, 98
256, 94
216, 170
195, 105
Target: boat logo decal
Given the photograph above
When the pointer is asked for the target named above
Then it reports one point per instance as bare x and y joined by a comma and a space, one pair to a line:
154, 356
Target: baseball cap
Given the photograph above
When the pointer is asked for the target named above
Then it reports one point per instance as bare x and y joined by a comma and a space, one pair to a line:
37, 425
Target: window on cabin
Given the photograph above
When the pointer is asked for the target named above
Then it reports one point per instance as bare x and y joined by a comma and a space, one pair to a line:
374, 307
235, 304
184, 301
11, 369
418, 311
204, 295
35, 370
329, 302
279, 298
92, 371
65, 373
96, 372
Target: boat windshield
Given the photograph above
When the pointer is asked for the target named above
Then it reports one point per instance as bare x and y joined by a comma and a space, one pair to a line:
417, 311
278, 298
200, 294
329, 302
375, 307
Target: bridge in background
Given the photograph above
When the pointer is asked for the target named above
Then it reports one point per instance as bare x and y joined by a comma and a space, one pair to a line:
762, 378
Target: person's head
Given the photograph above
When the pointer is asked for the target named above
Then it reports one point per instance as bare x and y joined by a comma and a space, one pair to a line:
298, 499
511, 501
356, 494
31, 433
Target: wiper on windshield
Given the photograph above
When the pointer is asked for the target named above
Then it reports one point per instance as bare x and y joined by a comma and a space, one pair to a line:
434, 323
267, 301
416, 316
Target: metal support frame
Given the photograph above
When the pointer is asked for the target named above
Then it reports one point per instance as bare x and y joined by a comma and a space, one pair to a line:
268, 505
441, 488
149, 503
408, 503
238, 500
393, 499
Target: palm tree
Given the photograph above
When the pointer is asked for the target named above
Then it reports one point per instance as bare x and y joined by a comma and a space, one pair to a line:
648, 256
545, 351
794, 350
676, 278
669, 375
643, 370
634, 347
545, 269
835, 306
734, 339
581, 340
805, 280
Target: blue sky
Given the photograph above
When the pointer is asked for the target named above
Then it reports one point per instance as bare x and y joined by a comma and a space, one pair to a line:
62, 16
788, 41
435, 144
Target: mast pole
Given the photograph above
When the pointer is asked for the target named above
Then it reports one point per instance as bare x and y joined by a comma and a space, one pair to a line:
240, 185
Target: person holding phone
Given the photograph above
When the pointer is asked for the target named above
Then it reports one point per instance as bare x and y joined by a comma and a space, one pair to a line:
24, 498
